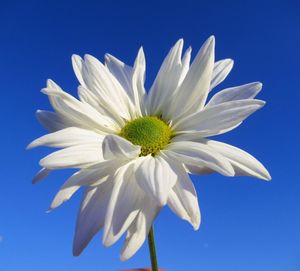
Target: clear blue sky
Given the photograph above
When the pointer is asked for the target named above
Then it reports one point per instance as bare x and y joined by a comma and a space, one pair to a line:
248, 225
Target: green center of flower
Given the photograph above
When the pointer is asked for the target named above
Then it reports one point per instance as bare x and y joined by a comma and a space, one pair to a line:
151, 133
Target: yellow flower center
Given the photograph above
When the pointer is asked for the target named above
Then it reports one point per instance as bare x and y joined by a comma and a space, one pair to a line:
150, 132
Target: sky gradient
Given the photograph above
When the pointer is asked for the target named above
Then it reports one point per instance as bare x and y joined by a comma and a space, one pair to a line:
247, 224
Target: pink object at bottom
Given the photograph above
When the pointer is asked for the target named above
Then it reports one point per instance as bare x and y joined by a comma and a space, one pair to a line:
142, 269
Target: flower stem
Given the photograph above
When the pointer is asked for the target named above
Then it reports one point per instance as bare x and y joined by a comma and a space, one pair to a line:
152, 251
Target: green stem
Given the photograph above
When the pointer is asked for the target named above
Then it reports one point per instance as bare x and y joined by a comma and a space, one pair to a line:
152, 251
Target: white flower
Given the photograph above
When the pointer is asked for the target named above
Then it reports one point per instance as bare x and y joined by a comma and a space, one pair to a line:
134, 150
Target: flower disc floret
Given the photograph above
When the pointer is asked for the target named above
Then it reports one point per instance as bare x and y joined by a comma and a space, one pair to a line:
150, 132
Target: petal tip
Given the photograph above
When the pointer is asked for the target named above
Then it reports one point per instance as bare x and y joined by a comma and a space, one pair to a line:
89, 58
106, 240
211, 40
75, 57
29, 146
34, 181
196, 226
162, 201
261, 103
51, 84
259, 85
189, 50
76, 250
123, 258
42, 163
107, 58
267, 177
110, 58
180, 41
141, 50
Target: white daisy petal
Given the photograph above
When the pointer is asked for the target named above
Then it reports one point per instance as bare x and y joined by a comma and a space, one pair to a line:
138, 80
76, 112
90, 93
67, 137
193, 91
114, 146
243, 92
185, 66
156, 177
242, 162
51, 120
123, 205
69, 189
88, 97
91, 215
122, 72
221, 69
78, 63
196, 153
89, 78
183, 199
42, 174
140, 227
218, 119
131, 78
62, 196
198, 170
73, 157
99, 80
90, 176
166, 81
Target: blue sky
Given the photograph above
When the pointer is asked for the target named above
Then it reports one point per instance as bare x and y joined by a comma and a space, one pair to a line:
247, 224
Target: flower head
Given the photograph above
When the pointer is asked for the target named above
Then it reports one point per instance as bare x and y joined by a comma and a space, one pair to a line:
134, 150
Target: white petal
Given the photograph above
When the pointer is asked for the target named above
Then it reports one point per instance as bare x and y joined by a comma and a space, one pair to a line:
156, 177
166, 81
218, 119
78, 63
122, 72
115, 146
199, 154
91, 215
243, 92
186, 137
105, 86
138, 80
242, 162
63, 195
66, 138
123, 206
185, 65
183, 199
51, 120
43, 173
80, 114
221, 69
140, 227
73, 157
91, 176
131, 78
89, 90
198, 170
88, 97
193, 91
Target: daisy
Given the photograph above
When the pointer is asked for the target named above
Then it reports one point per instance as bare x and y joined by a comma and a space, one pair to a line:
134, 150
